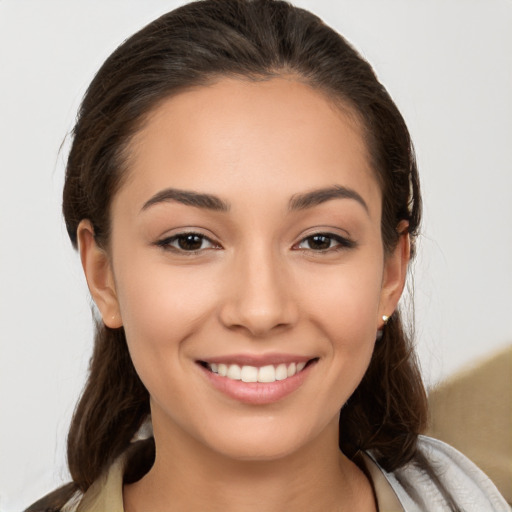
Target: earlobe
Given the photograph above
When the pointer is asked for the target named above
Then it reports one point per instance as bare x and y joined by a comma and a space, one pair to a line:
99, 276
395, 272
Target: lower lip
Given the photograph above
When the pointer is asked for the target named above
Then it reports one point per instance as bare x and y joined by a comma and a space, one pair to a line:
257, 393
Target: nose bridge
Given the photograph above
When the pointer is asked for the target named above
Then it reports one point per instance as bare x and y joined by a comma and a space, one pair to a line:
259, 297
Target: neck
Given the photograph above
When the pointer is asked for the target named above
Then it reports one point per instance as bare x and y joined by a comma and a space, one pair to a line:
187, 475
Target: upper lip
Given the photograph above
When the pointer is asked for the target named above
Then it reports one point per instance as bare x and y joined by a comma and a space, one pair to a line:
257, 359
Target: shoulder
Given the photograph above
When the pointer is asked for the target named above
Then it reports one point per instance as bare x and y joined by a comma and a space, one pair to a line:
105, 494
441, 478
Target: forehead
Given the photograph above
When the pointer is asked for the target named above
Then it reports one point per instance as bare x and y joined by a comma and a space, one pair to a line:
278, 135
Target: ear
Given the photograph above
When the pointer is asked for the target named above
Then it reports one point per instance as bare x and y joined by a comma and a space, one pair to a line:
99, 275
395, 273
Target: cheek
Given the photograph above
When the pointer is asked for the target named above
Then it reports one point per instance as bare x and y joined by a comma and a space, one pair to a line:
345, 301
344, 306
162, 310
161, 306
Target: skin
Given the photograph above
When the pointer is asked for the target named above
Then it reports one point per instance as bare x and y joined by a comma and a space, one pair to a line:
257, 285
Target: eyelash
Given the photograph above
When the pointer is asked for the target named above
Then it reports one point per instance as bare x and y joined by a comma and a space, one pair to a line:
166, 243
341, 243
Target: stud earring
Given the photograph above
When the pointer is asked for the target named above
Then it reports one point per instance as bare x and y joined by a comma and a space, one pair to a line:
380, 332
113, 319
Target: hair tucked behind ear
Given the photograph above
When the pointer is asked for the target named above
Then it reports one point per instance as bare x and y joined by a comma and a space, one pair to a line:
192, 46
99, 414
383, 414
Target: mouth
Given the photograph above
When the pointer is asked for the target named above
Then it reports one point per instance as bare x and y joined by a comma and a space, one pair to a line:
251, 374
257, 380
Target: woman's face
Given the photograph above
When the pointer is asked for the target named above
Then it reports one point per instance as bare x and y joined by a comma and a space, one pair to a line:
246, 244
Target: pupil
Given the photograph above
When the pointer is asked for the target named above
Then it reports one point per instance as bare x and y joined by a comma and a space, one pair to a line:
190, 242
319, 242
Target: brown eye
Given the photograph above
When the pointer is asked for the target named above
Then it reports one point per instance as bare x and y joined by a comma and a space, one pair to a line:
323, 242
319, 242
187, 242
190, 242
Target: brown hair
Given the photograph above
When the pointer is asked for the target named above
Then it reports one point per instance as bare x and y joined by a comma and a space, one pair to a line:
191, 46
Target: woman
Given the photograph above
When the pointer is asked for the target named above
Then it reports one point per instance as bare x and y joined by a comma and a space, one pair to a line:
245, 200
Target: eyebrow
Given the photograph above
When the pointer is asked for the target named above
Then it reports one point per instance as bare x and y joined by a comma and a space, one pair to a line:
319, 196
189, 198
211, 202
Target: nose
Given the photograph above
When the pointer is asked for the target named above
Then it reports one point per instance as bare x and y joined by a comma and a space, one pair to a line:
259, 295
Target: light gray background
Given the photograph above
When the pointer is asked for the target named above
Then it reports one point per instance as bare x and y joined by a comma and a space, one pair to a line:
448, 65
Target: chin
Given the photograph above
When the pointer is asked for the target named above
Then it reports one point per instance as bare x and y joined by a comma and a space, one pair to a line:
261, 443
258, 452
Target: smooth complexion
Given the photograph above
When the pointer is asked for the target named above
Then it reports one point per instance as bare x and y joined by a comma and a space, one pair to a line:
247, 233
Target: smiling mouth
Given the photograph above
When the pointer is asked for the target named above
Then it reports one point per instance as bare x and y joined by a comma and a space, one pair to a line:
266, 374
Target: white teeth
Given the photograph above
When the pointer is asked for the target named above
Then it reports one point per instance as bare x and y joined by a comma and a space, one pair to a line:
281, 372
234, 372
249, 374
246, 373
267, 374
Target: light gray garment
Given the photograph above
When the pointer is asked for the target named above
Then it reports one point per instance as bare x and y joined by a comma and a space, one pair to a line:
457, 477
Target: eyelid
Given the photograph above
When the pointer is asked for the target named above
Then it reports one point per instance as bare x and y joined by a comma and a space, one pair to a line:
165, 242
343, 241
